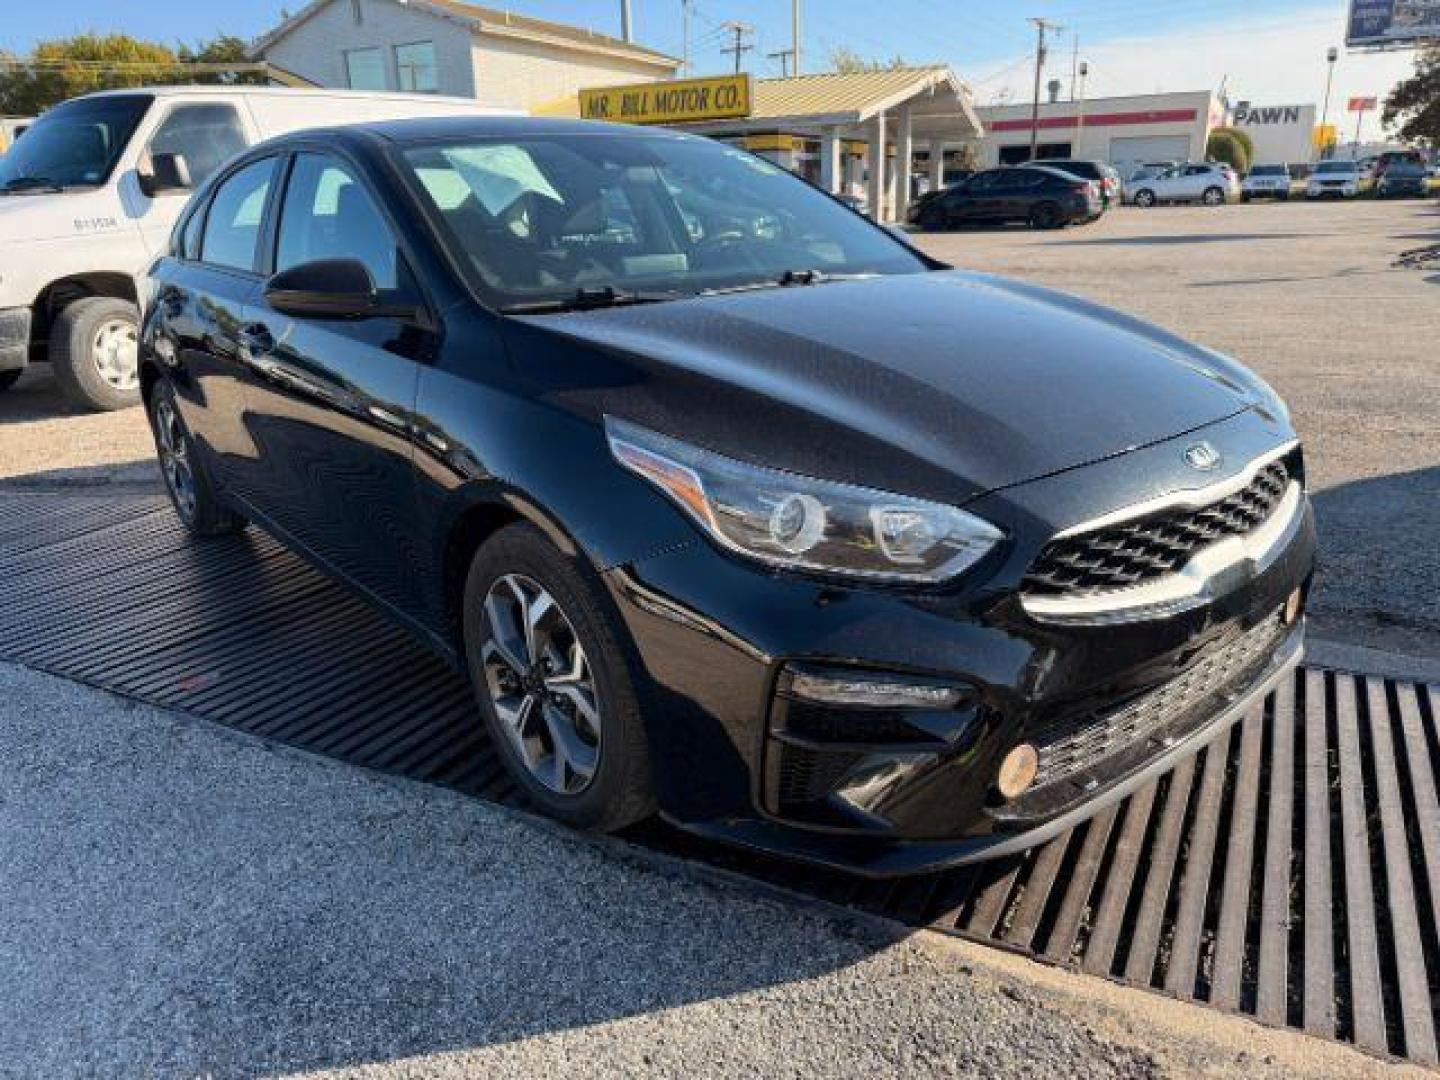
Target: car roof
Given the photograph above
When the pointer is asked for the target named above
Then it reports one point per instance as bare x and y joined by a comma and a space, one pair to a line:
276, 91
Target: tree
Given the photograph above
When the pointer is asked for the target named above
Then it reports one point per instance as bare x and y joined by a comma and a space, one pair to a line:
225, 49
1243, 138
845, 61
1224, 146
1415, 102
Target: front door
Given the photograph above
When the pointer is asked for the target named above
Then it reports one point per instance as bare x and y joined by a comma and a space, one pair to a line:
331, 400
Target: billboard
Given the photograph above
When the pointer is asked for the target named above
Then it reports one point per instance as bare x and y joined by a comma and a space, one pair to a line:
676, 101
1392, 22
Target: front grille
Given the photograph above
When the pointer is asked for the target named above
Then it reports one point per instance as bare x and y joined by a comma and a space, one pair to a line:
808, 775
1172, 710
1139, 551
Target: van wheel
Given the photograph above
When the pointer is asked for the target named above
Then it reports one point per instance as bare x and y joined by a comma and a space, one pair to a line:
552, 682
94, 350
10, 378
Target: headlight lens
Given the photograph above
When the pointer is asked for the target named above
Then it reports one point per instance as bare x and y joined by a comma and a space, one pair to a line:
796, 522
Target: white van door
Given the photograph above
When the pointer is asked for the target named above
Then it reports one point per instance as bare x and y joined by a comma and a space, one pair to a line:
207, 133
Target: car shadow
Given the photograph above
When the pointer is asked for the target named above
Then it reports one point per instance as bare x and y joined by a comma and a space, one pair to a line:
37, 396
1185, 239
1379, 556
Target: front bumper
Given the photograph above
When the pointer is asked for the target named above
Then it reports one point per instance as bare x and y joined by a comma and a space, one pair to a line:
884, 794
14, 338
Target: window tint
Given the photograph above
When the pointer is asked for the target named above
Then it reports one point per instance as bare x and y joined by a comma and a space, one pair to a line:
207, 135
365, 69
328, 215
77, 142
415, 67
232, 227
189, 247
984, 182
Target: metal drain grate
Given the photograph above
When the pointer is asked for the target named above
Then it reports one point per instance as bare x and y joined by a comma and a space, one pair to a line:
1289, 871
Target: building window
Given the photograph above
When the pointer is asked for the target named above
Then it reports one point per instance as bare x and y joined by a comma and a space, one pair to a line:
365, 69
415, 67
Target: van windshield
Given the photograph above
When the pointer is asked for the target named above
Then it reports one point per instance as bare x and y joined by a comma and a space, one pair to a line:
73, 145
554, 219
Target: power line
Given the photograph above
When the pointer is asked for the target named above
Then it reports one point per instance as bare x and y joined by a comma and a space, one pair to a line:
739, 29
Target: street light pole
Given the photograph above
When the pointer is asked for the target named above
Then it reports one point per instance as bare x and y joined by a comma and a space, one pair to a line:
795, 36
1080, 114
1041, 26
1331, 55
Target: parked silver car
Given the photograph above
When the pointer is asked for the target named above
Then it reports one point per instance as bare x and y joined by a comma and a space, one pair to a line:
1208, 182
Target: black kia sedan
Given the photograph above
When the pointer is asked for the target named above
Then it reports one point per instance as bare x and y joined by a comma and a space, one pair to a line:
732, 505
1039, 196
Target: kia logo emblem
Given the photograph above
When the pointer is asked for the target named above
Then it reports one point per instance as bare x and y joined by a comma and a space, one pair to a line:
1203, 457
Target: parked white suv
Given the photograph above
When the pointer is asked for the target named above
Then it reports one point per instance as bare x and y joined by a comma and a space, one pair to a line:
1266, 182
1211, 183
1335, 180
89, 195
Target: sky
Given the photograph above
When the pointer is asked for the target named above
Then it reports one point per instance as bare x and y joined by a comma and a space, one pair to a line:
1269, 54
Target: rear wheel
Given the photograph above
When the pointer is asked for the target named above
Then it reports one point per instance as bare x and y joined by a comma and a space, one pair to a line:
1213, 196
1046, 216
94, 350
931, 221
552, 682
10, 378
1145, 198
193, 494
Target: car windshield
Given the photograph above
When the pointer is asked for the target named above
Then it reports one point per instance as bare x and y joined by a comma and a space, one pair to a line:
560, 217
74, 144
1336, 167
1405, 168
1268, 170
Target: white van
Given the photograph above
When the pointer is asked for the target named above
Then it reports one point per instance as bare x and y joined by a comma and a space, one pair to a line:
88, 197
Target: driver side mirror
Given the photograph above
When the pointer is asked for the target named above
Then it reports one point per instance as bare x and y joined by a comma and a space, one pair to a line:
167, 173
332, 289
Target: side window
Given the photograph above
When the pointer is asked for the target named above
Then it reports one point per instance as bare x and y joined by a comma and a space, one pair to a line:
232, 227
984, 182
327, 214
1197, 170
415, 67
207, 135
365, 69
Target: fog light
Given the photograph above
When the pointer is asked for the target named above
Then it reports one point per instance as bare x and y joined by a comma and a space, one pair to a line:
1017, 771
1292, 608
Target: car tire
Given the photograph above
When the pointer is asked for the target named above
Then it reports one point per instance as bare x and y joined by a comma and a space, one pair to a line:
1047, 216
10, 378
193, 493
1213, 196
584, 704
1145, 198
931, 222
94, 351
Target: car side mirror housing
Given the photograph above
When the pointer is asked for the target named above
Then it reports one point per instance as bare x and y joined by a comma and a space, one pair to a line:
325, 288
168, 173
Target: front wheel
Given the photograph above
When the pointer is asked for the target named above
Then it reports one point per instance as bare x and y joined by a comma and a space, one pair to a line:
1213, 196
1145, 199
10, 378
1046, 216
553, 684
94, 350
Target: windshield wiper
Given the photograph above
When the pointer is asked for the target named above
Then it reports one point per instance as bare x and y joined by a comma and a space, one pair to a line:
590, 297
31, 183
789, 279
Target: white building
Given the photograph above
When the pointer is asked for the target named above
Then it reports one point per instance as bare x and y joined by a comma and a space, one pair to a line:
1281, 133
446, 47
1125, 131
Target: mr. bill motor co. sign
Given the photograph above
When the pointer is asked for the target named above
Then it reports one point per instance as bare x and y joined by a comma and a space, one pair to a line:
677, 101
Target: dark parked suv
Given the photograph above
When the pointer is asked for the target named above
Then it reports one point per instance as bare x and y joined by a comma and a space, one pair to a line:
730, 503
1043, 197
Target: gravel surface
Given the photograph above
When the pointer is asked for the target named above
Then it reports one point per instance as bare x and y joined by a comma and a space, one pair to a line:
178, 900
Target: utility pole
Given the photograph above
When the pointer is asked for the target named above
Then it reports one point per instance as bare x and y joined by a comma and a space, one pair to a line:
1074, 66
685, 37
1041, 26
739, 29
795, 34
1331, 55
1080, 115
625, 21
784, 57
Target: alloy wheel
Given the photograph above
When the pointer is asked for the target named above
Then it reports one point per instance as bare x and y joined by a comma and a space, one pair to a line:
1214, 197
115, 352
541, 685
174, 447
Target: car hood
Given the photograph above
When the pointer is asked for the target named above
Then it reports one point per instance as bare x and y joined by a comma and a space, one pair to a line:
943, 384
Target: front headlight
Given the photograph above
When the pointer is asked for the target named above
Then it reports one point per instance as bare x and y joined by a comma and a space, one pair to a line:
800, 523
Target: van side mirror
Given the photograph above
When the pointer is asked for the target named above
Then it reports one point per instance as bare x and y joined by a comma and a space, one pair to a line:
167, 173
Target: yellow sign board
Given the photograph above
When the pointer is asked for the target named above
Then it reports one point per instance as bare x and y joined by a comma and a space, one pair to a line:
677, 101
1325, 136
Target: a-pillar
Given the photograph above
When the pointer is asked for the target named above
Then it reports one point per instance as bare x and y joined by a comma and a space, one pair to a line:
877, 168
832, 164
